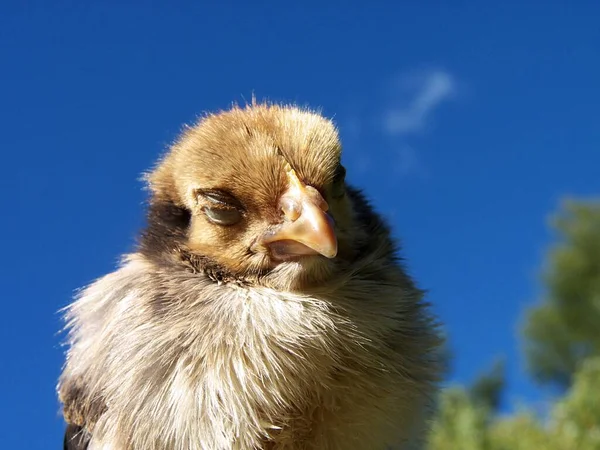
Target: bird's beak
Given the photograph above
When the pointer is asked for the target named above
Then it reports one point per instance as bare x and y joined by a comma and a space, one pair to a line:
307, 228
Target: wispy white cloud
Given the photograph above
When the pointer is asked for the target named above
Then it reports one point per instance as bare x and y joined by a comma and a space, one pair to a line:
428, 90
407, 108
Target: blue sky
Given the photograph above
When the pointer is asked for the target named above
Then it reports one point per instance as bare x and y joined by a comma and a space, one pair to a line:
465, 124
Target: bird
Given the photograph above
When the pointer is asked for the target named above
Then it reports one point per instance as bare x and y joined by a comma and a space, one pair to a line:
263, 306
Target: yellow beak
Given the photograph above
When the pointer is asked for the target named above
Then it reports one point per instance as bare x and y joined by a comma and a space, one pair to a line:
307, 228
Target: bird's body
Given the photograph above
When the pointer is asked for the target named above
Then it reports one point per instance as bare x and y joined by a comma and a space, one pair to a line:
231, 327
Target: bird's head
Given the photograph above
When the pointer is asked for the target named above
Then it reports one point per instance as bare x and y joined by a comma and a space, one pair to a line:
254, 194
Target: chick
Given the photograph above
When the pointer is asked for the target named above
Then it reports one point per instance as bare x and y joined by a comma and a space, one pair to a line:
264, 306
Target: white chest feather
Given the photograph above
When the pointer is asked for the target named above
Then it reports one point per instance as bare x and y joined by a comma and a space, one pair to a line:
184, 365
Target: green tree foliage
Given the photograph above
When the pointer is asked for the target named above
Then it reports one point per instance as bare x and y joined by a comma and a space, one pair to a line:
463, 423
564, 329
562, 342
487, 390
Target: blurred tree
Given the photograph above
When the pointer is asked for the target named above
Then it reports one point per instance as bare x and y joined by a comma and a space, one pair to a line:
575, 419
487, 389
562, 340
460, 423
564, 329
463, 423
464, 414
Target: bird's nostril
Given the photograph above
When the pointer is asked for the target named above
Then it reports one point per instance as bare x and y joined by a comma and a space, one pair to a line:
291, 209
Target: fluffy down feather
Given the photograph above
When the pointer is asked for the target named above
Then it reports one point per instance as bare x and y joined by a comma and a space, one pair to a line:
199, 340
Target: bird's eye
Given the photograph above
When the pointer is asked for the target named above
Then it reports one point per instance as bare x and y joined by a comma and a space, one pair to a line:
221, 208
220, 198
223, 216
338, 189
